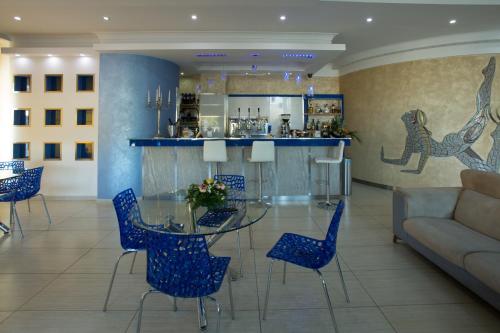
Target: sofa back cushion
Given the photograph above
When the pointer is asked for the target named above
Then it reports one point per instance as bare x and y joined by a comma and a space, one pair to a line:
479, 212
487, 183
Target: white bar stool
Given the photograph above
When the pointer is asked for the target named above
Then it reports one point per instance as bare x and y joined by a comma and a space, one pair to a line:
214, 151
338, 156
262, 151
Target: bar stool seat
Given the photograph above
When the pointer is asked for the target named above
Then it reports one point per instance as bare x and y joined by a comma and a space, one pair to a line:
214, 151
262, 152
337, 158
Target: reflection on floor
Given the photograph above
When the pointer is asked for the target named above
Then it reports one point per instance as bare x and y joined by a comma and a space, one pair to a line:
55, 279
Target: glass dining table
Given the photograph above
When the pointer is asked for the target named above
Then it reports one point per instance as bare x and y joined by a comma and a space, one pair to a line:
173, 217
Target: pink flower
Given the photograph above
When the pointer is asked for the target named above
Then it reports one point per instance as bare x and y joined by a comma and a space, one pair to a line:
222, 186
202, 188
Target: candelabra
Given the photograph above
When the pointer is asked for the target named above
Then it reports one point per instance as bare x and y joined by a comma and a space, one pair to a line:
158, 106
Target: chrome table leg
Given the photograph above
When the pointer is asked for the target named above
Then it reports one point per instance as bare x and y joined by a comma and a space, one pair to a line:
268, 288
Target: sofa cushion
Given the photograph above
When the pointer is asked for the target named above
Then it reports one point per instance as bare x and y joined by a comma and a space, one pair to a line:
479, 212
487, 183
485, 266
448, 238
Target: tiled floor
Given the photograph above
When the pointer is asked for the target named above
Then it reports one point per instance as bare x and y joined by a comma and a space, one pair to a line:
55, 279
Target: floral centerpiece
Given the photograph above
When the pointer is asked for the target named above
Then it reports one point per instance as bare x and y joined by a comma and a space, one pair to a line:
210, 194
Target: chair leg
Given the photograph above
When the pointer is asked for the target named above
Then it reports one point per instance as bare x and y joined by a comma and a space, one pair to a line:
342, 279
16, 218
268, 289
141, 306
284, 272
45, 206
230, 291
133, 262
219, 311
11, 216
175, 304
250, 235
105, 308
238, 243
330, 307
29, 206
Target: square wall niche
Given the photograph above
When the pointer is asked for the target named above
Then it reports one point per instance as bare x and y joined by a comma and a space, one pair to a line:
53, 83
84, 117
22, 117
84, 82
22, 83
52, 151
21, 151
53, 117
84, 151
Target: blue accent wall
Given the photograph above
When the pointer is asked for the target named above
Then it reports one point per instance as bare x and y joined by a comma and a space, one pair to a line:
123, 83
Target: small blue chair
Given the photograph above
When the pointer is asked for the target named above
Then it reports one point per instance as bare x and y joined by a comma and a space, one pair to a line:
131, 237
309, 253
25, 187
17, 167
180, 265
235, 198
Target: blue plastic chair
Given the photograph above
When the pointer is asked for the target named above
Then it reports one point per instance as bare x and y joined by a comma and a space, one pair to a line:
17, 167
180, 265
309, 253
22, 188
131, 237
235, 199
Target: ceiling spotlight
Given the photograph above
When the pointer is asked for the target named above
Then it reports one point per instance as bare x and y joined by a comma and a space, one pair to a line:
453, 21
17, 55
105, 18
194, 17
17, 18
82, 55
369, 19
282, 17
49, 55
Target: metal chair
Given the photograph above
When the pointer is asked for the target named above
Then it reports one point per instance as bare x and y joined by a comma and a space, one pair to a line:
309, 253
25, 187
180, 265
214, 151
338, 156
235, 198
16, 166
131, 237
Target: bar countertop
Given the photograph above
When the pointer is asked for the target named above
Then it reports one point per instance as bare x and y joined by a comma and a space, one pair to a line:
238, 142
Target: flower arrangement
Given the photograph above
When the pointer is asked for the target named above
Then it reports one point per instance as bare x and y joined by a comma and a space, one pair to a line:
209, 193
337, 130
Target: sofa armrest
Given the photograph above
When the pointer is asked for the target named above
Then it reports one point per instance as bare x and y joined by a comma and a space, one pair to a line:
436, 202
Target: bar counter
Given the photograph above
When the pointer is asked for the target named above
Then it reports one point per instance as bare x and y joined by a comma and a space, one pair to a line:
170, 165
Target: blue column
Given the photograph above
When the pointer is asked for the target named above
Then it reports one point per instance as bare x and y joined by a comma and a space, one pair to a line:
123, 83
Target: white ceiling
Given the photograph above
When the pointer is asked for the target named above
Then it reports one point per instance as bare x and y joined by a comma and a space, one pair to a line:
393, 22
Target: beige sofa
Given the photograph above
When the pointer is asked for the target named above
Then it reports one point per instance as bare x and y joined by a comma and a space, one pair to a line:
456, 228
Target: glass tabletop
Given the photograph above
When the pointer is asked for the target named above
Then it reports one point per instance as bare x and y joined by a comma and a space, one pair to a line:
170, 216
7, 174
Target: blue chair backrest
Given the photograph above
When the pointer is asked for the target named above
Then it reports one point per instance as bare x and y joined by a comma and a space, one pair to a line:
126, 208
12, 165
179, 265
29, 184
236, 185
330, 242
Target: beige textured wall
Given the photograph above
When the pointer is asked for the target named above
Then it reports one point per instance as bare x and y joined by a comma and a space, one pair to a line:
445, 89
273, 84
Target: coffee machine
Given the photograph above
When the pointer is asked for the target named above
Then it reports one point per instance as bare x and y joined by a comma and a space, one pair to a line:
285, 125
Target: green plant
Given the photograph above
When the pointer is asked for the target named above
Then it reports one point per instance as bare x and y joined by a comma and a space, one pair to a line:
210, 194
337, 130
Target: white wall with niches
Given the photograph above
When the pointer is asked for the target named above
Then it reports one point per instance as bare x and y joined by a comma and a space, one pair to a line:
66, 177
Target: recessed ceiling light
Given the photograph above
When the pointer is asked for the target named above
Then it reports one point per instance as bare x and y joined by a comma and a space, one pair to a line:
299, 55
453, 21
182, 73
194, 17
82, 55
282, 17
17, 18
369, 19
210, 55
17, 55
49, 55
105, 18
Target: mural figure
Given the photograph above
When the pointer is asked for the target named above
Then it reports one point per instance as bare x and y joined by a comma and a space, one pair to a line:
419, 138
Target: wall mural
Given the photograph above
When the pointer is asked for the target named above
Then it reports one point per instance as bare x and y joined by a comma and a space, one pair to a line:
419, 138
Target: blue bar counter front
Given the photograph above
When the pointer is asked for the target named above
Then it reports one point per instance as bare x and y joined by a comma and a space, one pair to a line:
239, 142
